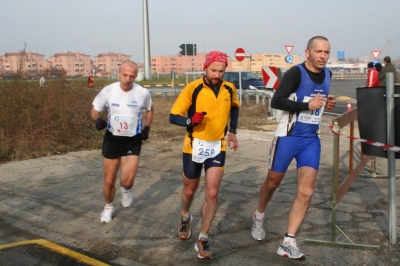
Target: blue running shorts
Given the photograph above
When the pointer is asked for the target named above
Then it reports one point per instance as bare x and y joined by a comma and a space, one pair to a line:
306, 151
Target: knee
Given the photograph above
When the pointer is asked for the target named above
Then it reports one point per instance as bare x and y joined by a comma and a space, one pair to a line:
212, 195
271, 185
305, 192
109, 182
189, 191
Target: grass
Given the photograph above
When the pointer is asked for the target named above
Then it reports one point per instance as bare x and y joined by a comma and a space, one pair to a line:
37, 122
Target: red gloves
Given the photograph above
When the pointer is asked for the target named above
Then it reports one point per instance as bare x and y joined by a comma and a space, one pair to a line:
197, 118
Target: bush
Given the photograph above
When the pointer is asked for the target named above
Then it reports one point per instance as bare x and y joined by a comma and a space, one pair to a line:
38, 122
44, 121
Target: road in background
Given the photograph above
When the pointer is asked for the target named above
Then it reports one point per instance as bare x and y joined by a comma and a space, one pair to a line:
345, 91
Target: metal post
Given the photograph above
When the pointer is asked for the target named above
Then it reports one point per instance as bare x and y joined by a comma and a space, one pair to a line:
146, 40
186, 65
391, 157
240, 82
335, 181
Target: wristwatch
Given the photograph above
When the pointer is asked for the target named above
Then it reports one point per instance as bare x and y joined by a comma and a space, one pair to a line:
233, 130
189, 122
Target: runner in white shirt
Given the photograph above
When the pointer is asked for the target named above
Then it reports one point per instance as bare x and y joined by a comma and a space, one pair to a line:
124, 101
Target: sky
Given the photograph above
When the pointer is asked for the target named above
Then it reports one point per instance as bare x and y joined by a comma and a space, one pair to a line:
258, 26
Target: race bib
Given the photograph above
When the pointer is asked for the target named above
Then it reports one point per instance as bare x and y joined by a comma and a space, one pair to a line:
123, 125
311, 116
202, 149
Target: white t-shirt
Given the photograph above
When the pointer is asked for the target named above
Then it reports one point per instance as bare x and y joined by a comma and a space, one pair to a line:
124, 108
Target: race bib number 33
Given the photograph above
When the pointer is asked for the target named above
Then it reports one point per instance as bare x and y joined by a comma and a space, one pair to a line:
202, 149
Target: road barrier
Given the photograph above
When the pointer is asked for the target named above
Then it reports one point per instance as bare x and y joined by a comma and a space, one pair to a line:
339, 190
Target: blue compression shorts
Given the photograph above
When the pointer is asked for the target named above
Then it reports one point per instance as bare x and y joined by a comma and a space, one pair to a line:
306, 151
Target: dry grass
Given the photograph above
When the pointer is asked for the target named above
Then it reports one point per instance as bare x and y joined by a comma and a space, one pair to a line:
38, 122
251, 116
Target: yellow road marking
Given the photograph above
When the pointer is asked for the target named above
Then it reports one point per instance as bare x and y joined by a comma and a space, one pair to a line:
57, 248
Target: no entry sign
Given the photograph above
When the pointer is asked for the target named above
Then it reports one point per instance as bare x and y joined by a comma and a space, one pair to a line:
240, 54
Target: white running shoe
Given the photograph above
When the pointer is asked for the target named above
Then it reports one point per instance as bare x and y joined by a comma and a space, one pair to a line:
107, 214
127, 198
257, 230
288, 248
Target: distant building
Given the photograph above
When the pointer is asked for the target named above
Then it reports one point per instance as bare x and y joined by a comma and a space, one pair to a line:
74, 64
30, 63
106, 64
179, 64
254, 62
1, 65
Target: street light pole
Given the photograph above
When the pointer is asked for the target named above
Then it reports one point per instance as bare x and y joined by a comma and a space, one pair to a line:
146, 40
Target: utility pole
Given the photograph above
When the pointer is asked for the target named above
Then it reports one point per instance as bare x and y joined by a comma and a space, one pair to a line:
388, 45
146, 40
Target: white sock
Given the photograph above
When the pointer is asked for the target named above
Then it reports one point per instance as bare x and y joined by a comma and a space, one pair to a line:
123, 190
109, 205
259, 215
202, 235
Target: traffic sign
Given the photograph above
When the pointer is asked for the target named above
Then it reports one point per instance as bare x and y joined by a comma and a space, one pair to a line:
341, 56
289, 59
270, 75
376, 53
188, 49
240, 54
289, 48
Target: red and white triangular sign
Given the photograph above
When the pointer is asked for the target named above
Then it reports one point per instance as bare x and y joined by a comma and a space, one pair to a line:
270, 75
289, 48
376, 53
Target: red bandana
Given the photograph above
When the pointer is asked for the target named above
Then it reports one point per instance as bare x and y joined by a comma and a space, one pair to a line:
215, 56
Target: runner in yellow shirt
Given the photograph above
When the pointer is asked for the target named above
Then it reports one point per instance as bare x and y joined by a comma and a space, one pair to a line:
205, 107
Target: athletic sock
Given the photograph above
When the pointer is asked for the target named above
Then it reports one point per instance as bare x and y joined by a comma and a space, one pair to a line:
289, 235
202, 235
109, 205
185, 216
259, 215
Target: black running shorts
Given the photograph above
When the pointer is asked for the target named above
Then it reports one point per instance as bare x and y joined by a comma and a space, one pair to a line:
117, 146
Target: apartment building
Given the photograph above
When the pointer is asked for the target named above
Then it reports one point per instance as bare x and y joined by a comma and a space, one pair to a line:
30, 63
74, 64
254, 62
106, 64
179, 63
1, 66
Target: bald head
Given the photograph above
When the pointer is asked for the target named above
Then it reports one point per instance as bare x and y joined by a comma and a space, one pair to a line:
128, 63
128, 71
310, 43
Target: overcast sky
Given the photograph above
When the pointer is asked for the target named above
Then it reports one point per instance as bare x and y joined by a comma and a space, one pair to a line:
258, 26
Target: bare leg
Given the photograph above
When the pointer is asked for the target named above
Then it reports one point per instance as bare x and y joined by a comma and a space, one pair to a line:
129, 167
110, 168
189, 189
305, 188
213, 180
268, 188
